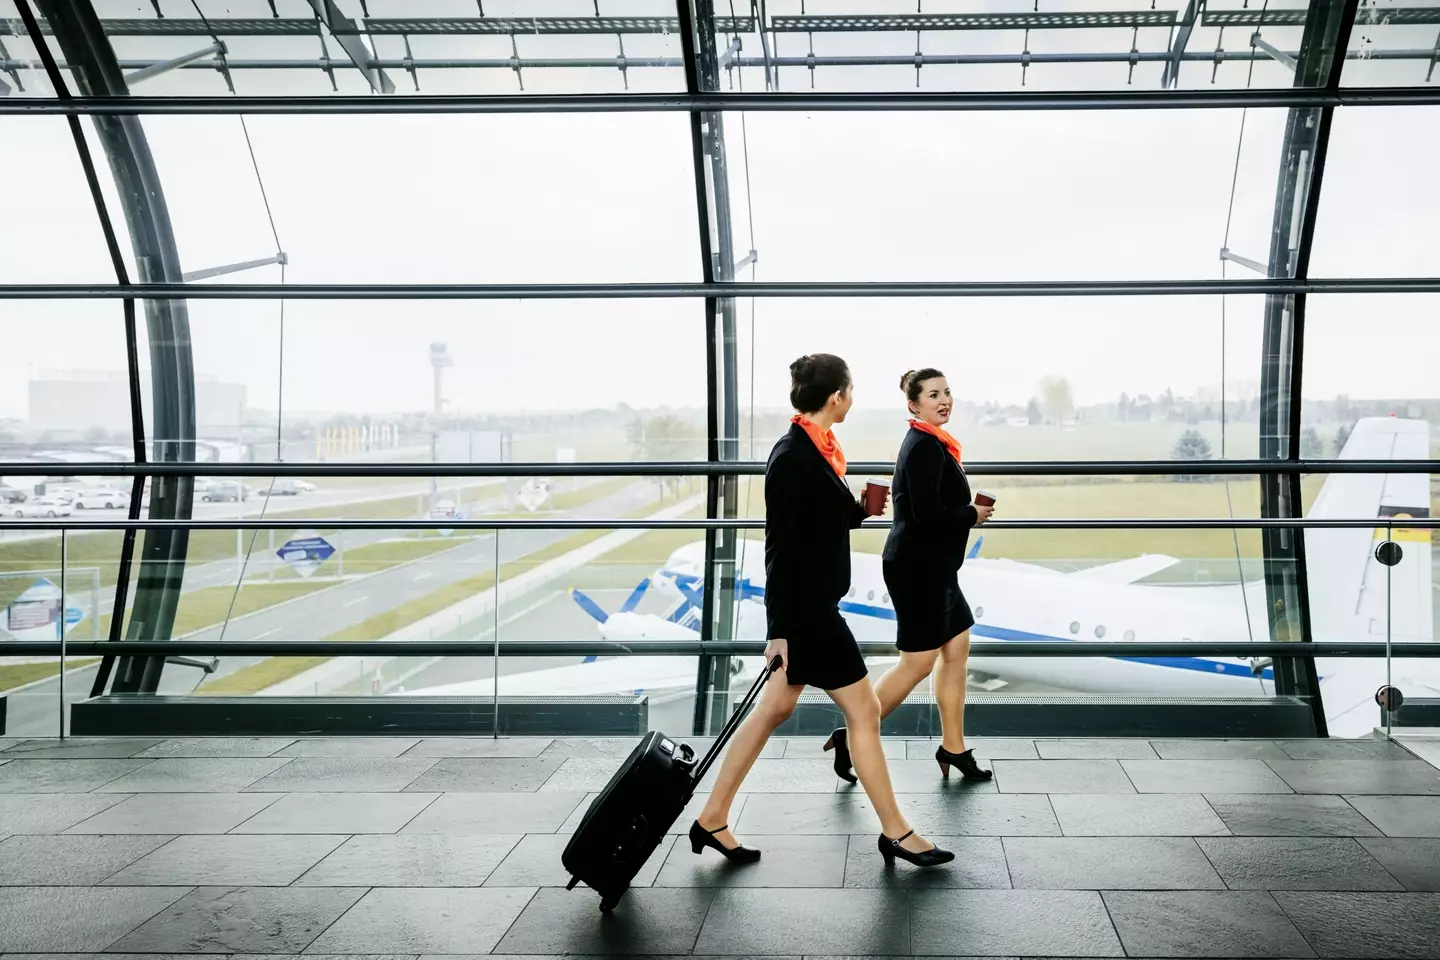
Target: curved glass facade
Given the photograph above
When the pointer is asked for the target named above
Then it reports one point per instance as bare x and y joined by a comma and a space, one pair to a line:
469, 271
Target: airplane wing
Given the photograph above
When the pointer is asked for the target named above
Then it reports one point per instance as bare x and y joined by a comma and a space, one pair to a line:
1126, 571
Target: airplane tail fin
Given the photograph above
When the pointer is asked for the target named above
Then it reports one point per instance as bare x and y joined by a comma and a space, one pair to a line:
1352, 595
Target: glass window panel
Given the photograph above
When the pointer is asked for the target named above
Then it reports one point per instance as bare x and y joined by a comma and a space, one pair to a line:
1003, 196
1380, 200
1393, 44
533, 198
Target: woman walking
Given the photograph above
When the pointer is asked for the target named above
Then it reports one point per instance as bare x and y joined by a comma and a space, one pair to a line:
923, 554
809, 513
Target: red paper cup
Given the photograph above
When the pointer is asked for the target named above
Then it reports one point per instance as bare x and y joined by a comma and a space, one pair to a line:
984, 499
876, 490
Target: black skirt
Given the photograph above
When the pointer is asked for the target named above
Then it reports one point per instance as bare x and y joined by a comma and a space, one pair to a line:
822, 650
930, 610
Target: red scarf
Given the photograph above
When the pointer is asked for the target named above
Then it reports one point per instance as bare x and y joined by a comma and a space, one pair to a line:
825, 442
948, 442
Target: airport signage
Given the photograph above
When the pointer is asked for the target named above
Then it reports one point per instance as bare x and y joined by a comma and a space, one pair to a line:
306, 554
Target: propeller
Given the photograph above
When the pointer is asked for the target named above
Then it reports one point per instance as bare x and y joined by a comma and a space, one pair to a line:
633, 601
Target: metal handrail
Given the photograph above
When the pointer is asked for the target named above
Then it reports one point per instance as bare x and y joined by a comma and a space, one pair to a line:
640, 648
734, 100
699, 468
718, 289
699, 523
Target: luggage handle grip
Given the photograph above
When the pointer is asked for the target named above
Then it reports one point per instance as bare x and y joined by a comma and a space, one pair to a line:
733, 722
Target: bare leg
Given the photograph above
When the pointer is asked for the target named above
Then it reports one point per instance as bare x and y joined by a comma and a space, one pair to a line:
862, 722
901, 679
950, 684
777, 702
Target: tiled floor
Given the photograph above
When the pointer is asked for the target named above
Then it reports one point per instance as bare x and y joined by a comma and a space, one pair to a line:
410, 848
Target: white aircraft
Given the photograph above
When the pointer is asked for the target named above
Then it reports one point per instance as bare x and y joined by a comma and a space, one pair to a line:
1020, 602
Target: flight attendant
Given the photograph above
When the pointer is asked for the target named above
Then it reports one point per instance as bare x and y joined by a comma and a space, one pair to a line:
809, 513
923, 553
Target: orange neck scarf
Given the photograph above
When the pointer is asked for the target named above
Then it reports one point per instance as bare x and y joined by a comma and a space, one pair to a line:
948, 442
825, 442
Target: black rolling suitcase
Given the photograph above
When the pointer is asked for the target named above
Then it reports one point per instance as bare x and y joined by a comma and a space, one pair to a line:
632, 815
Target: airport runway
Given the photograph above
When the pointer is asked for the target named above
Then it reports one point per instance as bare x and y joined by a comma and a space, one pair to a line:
35, 710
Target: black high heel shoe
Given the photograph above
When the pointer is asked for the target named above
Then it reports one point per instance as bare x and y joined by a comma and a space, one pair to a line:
700, 838
890, 849
969, 769
842, 756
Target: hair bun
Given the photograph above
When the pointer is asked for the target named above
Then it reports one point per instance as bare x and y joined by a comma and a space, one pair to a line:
803, 368
906, 379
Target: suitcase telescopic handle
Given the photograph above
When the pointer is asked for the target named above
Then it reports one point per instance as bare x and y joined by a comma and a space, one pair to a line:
733, 722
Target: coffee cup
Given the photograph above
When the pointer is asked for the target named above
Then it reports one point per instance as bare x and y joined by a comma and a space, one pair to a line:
877, 489
983, 499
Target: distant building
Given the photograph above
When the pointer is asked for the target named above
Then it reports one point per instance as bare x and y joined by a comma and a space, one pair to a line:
72, 403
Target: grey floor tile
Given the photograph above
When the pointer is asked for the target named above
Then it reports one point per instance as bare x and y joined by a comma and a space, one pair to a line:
535, 862
1201, 923
337, 813
50, 813
262, 920
175, 813
778, 776
649, 921
1142, 815
986, 749
1358, 749
1203, 776
83, 748
1401, 816
812, 748
1095, 749
195, 775
582, 774
227, 861
1054, 923
1109, 863
75, 919
801, 813
64, 776
496, 813
977, 815
1378, 777
1415, 863
923, 776
787, 860
61, 861
1218, 750
349, 747
1295, 863
1290, 815
617, 748
449, 920
218, 747
344, 774
418, 860
488, 775
1367, 924
480, 747
758, 922
979, 864
1062, 776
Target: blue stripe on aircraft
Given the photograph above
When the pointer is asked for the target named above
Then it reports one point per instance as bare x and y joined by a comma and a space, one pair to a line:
745, 590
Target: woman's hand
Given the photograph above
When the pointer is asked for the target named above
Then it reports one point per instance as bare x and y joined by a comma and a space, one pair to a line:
778, 647
982, 513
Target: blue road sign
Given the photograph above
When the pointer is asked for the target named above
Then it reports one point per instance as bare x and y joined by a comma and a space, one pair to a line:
305, 555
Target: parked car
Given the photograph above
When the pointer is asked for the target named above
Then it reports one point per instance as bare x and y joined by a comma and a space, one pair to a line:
285, 487
106, 498
225, 490
12, 495
41, 507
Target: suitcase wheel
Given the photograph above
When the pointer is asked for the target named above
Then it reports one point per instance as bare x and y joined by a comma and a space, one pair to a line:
571, 884
609, 903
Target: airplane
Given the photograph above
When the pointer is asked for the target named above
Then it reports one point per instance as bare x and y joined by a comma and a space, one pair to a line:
1021, 602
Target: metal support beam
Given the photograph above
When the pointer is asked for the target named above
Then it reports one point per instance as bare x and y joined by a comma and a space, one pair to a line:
1176, 56
343, 29
1302, 160
281, 258
1272, 51
81, 37
156, 69
1227, 254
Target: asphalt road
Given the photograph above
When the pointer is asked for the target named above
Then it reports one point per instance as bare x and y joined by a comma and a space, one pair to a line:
35, 710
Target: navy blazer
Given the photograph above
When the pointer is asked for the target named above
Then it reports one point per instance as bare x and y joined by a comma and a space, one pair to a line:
931, 505
809, 513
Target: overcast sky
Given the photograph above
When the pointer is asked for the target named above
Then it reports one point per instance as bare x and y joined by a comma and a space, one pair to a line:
610, 198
